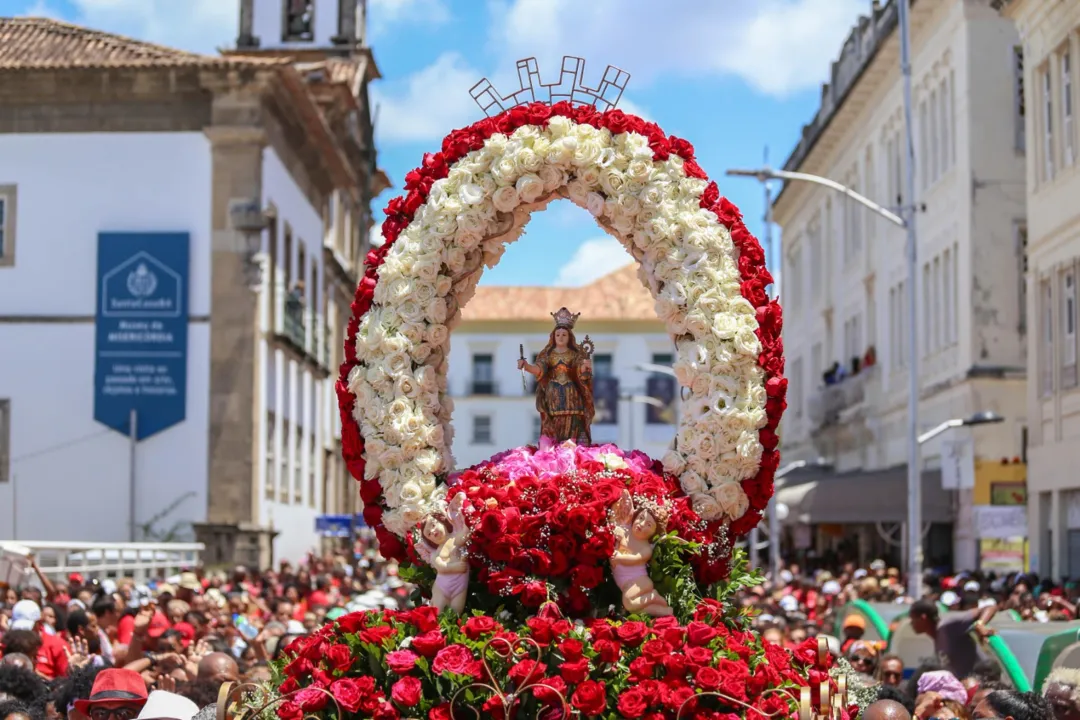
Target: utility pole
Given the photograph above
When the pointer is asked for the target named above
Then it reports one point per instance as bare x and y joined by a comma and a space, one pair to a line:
767, 236
907, 210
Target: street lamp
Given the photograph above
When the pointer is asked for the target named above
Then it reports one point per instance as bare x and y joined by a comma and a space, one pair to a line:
980, 418
247, 217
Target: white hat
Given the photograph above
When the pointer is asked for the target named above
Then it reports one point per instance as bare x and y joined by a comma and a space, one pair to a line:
986, 602
877, 565
831, 588
295, 627
971, 586
786, 576
25, 615
789, 603
163, 705
859, 574
949, 598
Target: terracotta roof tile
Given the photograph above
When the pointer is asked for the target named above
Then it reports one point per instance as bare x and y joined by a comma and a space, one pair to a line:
40, 43
619, 295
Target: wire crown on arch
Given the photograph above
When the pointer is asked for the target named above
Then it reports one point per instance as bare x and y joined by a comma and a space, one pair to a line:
571, 87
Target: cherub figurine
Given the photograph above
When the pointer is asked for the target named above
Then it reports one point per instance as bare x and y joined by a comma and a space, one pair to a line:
634, 531
443, 539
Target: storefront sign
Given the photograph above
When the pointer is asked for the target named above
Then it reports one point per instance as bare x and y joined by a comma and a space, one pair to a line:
1001, 521
1002, 556
142, 324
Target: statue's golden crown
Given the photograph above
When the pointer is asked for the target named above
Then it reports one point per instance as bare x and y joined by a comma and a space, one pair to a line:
565, 319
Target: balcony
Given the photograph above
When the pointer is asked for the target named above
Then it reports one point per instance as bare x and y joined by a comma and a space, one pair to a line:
482, 387
835, 403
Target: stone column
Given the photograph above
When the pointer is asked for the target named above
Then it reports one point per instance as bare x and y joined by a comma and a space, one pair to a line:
237, 166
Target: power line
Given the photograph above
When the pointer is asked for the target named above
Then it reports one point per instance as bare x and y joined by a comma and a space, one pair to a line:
59, 446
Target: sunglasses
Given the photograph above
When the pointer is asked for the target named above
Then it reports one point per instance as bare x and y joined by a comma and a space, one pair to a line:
119, 713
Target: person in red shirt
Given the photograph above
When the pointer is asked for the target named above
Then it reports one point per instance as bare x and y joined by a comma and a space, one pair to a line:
52, 657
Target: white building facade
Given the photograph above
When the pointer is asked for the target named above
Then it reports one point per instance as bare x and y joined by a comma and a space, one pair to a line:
845, 275
495, 408
256, 458
1050, 33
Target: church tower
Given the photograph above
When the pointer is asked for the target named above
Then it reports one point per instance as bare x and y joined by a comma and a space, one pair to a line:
300, 27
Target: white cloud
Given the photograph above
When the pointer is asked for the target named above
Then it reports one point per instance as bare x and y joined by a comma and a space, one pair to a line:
375, 235
429, 103
592, 260
41, 9
384, 13
776, 46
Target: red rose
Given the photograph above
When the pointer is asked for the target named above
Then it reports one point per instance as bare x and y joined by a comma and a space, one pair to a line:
406, 691
574, 671
429, 643
288, 686
401, 661
289, 710
632, 633
692, 169
377, 634
525, 673
681, 147
707, 678
616, 121
339, 657
608, 650
571, 648
590, 698
540, 629
299, 667
698, 633
440, 712
453, 659
313, 698
698, 655
425, 618
550, 690
385, 711
632, 703
474, 627
768, 438
656, 650
587, 576
641, 668
675, 665
735, 677
534, 594
673, 636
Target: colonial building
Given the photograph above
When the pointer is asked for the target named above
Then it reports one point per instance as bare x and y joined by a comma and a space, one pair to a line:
253, 172
1050, 33
845, 281
495, 407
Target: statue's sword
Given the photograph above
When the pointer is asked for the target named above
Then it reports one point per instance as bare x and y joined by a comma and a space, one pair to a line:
524, 385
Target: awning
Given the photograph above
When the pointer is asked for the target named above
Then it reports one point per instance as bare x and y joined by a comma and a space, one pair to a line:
861, 497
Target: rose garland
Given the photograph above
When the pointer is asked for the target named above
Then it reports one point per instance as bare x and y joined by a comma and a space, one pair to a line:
702, 265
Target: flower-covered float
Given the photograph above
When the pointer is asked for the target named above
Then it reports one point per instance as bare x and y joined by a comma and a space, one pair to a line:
566, 578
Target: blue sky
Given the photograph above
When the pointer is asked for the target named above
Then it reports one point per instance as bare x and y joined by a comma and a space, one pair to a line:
731, 76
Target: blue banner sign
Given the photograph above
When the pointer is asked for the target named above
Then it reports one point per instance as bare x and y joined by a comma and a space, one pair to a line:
142, 331
337, 525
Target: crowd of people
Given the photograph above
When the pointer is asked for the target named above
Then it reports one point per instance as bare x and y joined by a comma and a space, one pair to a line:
118, 650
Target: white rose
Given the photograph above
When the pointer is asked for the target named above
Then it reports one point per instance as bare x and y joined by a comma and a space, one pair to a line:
590, 176
395, 523
422, 352
706, 446
607, 157
443, 285
471, 222
410, 311
587, 152
559, 126
528, 161
429, 461
455, 260
391, 457
731, 499
505, 199
747, 343
612, 182
424, 293
412, 514
552, 177
578, 192
692, 483
673, 462
561, 152
595, 204
639, 170
504, 170
749, 445
697, 323
530, 187
407, 386
437, 335
705, 506
700, 385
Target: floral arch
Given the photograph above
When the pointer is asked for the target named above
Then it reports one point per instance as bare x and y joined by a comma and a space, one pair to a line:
703, 267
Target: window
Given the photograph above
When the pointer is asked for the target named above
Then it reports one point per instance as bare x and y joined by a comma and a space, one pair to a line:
890, 171
952, 118
1066, 110
935, 139
481, 430
483, 375
937, 314
299, 20
816, 366
663, 387
927, 310
894, 329
794, 294
924, 167
1047, 292
5, 441
298, 468
900, 150
954, 294
944, 126
814, 261
7, 225
947, 298
1018, 98
271, 421
1068, 328
1020, 229
796, 392
286, 438
870, 190
603, 365
1048, 127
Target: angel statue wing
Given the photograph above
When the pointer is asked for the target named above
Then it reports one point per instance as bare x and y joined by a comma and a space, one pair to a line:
624, 509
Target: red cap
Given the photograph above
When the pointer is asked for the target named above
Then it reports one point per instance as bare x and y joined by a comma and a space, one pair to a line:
158, 625
75, 579
187, 632
114, 685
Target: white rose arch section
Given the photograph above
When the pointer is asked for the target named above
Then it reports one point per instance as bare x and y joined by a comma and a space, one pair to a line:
686, 258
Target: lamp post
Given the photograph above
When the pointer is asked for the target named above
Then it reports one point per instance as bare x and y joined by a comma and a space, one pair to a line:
980, 418
644, 400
